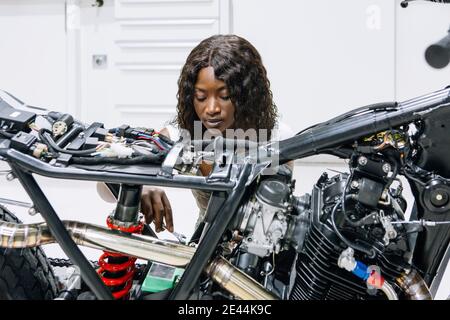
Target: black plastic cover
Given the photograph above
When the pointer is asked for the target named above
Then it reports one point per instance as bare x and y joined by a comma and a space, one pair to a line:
15, 119
22, 141
435, 141
273, 192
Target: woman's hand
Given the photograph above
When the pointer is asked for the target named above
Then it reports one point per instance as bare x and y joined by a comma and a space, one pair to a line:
156, 207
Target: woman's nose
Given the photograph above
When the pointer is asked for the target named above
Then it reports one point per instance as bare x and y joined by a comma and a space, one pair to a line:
213, 106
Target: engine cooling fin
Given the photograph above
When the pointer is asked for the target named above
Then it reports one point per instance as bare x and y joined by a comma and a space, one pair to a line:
318, 276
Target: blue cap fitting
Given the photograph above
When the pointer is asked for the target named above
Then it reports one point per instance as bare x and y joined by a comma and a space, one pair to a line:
361, 271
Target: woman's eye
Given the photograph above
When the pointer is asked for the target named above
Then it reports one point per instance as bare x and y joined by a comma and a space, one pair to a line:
225, 98
200, 98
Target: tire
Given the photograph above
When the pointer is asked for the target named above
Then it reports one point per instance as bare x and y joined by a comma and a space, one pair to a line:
25, 274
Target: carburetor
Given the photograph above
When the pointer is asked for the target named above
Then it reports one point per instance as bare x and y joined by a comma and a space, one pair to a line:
264, 220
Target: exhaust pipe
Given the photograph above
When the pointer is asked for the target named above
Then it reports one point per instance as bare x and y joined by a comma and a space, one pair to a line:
238, 283
14, 236
414, 286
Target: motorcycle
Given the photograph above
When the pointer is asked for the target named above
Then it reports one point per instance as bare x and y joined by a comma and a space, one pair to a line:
349, 238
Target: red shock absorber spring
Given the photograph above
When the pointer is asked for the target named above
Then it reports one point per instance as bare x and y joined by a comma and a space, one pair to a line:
117, 270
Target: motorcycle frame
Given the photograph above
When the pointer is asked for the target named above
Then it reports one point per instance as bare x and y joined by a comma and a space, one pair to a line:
23, 166
320, 139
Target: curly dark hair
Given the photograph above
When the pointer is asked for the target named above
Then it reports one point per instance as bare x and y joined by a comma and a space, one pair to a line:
237, 63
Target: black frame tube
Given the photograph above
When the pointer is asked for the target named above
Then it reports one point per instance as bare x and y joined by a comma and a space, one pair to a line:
316, 139
212, 236
127, 208
61, 235
28, 163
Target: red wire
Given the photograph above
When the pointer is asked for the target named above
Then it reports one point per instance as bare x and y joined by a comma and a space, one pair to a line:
153, 140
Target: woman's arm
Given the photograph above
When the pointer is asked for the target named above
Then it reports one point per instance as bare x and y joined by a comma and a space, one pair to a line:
291, 165
155, 205
165, 132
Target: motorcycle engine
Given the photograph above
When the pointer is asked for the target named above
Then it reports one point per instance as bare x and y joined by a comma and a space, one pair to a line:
318, 275
292, 244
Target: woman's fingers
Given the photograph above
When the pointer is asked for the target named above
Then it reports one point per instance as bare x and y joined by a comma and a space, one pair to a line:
158, 213
146, 208
168, 212
156, 208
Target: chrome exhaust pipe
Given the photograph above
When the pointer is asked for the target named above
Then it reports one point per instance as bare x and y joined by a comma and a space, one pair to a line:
414, 286
237, 282
389, 291
14, 236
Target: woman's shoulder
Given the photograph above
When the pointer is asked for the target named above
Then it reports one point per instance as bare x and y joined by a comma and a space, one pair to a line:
171, 131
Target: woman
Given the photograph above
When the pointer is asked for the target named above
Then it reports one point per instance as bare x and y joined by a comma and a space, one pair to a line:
224, 85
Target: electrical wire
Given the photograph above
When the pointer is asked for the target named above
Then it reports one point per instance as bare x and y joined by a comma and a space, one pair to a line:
48, 140
387, 106
410, 176
34, 127
369, 252
148, 159
422, 222
147, 137
6, 134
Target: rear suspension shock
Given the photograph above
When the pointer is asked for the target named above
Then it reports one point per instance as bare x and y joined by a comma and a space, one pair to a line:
117, 270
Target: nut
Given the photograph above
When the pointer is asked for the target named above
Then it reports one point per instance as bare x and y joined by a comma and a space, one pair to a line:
362, 161
386, 167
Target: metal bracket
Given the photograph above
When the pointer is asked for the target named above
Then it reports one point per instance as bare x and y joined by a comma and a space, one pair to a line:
171, 159
223, 161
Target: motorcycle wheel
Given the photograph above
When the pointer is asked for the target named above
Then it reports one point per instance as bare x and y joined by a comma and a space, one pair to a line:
25, 274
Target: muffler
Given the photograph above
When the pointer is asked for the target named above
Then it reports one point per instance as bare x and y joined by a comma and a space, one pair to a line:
14, 235
238, 283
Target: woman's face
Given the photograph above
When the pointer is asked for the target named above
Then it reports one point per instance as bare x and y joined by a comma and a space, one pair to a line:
212, 101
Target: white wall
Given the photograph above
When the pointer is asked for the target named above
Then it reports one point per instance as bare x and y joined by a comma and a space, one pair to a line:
418, 26
323, 58
33, 51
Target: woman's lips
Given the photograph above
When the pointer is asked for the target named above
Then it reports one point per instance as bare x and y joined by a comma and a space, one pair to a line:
213, 123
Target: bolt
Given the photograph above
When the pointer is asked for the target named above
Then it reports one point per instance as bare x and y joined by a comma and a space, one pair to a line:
439, 197
32, 211
362, 161
10, 176
386, 167
355, 184
392, 234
